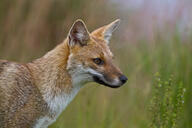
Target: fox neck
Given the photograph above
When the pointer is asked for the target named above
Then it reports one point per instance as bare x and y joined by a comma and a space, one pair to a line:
55, 82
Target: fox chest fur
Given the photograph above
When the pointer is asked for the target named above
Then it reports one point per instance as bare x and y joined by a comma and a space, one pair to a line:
33, 95
23, 103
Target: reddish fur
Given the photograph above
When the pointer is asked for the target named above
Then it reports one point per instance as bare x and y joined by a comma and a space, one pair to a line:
23, 87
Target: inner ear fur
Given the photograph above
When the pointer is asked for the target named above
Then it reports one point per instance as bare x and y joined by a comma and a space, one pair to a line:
78, 33
106, 31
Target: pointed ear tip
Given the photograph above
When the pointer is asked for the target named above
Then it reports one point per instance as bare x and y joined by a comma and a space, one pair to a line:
79, 21
117, 21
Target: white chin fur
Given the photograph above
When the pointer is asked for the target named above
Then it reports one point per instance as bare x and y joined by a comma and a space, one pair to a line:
83, 75
115, 82
93, 72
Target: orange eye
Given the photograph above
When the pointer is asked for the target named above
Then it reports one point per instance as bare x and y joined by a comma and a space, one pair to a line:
98, 61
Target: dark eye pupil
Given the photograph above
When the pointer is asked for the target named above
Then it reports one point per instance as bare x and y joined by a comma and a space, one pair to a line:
98, 61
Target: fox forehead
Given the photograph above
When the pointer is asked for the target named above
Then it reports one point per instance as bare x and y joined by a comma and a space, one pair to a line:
95, 48
102, 45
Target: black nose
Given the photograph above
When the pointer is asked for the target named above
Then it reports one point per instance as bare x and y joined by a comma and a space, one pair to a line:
123, 79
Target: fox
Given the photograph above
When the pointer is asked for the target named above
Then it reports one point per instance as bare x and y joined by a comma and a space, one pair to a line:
33, 95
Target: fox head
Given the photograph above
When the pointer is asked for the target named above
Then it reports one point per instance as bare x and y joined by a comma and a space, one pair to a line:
90, 58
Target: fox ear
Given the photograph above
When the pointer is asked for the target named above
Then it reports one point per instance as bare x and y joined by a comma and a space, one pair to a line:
78, 34
106, 31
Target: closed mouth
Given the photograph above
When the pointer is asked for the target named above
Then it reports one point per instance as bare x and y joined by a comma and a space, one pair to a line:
100, 81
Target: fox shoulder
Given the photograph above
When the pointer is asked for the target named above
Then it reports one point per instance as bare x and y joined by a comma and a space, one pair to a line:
20, 99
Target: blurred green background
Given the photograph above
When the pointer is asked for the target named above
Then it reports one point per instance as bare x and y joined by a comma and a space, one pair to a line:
154, 36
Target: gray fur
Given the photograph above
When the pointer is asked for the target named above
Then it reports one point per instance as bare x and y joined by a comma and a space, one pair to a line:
20, 100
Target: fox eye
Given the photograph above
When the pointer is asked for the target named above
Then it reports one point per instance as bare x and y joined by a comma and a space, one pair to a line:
98, 61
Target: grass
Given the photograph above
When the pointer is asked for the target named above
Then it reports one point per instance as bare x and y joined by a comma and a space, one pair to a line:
166, 106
